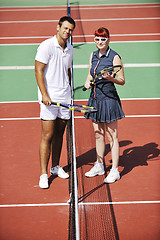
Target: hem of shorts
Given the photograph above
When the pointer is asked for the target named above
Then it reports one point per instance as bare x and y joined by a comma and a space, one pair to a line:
54, 119
113, 120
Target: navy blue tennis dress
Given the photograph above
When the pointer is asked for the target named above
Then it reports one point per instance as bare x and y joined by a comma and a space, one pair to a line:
104, 95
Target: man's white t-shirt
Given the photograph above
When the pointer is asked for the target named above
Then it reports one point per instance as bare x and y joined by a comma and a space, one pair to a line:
56, 71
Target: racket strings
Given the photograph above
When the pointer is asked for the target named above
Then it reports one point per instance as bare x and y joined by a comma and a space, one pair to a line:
110, 70
84, 109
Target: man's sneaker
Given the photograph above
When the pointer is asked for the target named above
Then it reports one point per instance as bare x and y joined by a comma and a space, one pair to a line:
57, 170
43, 182
98, 169
112, 176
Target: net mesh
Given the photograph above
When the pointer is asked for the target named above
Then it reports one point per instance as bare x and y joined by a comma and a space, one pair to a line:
71, 162
72, 220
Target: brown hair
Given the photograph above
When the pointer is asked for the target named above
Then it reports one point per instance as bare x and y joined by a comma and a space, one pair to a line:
68, 19
102, 32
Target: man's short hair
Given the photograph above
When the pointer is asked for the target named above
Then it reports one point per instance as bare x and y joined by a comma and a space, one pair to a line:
68, 19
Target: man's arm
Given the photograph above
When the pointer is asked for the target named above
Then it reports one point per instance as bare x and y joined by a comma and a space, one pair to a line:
69, 75
89, 77
39, 68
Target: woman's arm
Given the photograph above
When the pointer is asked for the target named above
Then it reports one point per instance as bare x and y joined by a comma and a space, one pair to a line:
120, 79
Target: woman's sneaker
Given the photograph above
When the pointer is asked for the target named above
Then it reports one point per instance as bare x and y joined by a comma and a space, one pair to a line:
57, 170
43, 182
98, 169
112, 176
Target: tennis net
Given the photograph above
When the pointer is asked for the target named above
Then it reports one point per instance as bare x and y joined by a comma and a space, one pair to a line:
71, 155
73, 202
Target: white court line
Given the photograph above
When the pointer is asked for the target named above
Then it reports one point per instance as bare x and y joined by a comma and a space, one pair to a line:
35, 9
76, 43
82, 7
16, 119
119, 203
83, 20
81, 100
125, 65
141, 116
79, 36
77, 117
121, 35
91, 5
36, 37
130, 65
80, 204
34, 205
127, 116
124, 99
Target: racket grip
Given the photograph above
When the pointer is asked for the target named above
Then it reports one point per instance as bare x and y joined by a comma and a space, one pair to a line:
84, 89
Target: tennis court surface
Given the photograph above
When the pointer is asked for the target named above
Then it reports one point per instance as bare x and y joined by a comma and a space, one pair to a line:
126, 209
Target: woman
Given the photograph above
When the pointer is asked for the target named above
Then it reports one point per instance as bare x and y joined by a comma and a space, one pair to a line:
105, 98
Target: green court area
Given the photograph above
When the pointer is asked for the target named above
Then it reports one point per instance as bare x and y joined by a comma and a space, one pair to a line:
25, 3
141, 82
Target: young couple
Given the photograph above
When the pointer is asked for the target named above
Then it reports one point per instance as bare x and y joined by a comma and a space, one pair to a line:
53, 64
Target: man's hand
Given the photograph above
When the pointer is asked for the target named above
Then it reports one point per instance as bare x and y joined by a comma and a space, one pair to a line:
46, 99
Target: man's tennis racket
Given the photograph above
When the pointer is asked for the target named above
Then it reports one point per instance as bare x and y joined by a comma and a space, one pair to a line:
77, 108
99, 76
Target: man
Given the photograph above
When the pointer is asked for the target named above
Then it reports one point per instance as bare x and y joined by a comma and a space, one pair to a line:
53, 63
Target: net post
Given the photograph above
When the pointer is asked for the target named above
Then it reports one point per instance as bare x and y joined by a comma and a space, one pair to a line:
68, 8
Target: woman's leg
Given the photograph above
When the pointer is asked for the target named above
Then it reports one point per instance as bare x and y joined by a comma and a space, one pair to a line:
112, 135
99, 130
98, 168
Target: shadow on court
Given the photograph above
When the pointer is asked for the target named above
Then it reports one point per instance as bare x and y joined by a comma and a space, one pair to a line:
138, 156
130, 158
96, 191
88, 158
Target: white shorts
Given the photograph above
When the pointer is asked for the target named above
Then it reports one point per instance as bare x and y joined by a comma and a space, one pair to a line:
52, 112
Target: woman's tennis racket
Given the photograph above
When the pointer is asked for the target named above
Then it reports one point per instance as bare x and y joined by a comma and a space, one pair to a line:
99, 76
77, 108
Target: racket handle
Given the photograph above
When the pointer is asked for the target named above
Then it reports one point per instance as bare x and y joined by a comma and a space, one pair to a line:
84, 89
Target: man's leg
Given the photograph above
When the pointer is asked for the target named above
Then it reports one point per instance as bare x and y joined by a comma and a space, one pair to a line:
45, 144
57, 140
56, 148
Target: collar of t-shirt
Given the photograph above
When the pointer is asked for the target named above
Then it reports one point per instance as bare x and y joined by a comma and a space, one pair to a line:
57, 44
106, 54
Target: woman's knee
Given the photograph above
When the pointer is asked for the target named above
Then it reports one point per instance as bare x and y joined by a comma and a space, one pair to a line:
99, 136
99, 130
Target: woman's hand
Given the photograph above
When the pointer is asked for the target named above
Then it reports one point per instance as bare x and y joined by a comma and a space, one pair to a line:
119, 79
87, 84
108, 76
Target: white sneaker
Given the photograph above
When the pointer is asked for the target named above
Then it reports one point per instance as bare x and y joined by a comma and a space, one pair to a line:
98, 169
43, 182
57, 170
112, 176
